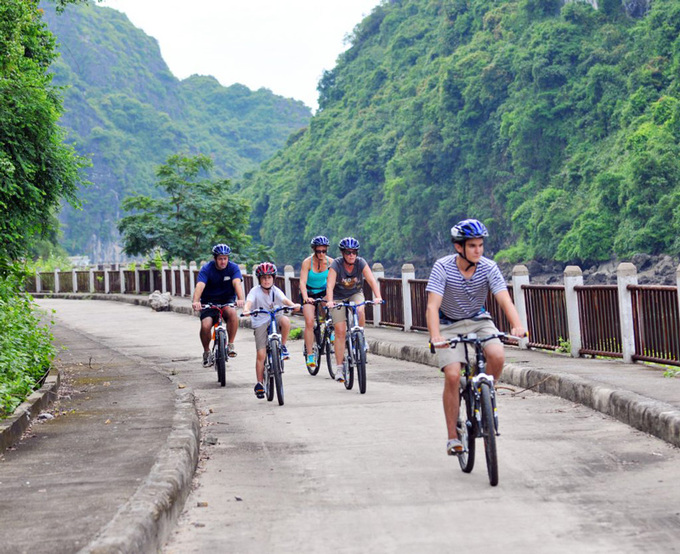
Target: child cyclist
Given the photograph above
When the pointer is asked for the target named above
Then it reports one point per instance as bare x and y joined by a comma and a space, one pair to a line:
267, 296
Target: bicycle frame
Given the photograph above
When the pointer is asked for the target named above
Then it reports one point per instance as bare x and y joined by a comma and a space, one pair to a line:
219, 338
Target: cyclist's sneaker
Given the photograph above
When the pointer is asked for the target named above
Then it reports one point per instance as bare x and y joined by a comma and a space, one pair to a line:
311, 362
340, 373
455, 447
208, 359
231, 351
284, 352
259, 390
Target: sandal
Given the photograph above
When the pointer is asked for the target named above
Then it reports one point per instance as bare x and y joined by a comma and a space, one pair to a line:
259, 390
455, 447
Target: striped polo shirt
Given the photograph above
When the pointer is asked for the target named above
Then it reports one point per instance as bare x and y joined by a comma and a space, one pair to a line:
464, 298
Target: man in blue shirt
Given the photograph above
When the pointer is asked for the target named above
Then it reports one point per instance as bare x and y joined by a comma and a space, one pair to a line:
219, 282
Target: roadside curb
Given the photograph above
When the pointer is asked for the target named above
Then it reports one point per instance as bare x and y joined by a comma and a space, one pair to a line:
12, 428
145, 521
645, 414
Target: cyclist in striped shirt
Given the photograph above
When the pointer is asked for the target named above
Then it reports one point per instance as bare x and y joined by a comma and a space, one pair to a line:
457, 291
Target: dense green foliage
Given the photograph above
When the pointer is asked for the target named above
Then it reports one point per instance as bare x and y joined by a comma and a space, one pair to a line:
26, 350
36, 169
125, 109
557, 125
194, 213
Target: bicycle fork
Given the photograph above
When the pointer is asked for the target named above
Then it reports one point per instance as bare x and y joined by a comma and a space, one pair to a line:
477, 381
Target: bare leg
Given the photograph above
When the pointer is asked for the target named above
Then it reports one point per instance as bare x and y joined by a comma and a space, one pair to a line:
206, 333
451, 397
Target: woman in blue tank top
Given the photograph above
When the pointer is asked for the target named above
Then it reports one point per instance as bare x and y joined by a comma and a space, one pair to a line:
313, 277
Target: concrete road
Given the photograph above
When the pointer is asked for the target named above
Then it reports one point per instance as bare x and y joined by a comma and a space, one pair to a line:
336, 471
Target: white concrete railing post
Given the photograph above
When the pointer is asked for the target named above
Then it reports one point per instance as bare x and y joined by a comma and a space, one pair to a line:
288, 272
164, 283
520, 276
121, 272
182, 286
573, 277
56, 280
255, 282
74, 280
626, 274
408, 272
38, 282
92, 279
378, 273
173, 283
244, 272
137, 284
107, 279
192, 286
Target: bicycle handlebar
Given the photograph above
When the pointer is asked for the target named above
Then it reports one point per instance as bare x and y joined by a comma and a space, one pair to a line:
270, 312
339, 305
472, 338
218, 306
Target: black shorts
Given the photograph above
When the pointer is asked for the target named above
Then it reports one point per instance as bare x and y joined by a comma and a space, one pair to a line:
214, 312
314, 295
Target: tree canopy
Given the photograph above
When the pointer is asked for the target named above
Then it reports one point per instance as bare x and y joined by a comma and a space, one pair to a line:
193, 213
37, 170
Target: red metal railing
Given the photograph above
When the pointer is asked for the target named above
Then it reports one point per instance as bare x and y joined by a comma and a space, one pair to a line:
144, 281
392, 311
295, 289
368, 295
157, 280
600, 320
418, 303
83, 281
546, 315
247, 283
656, 324
47, 281
114, 281
99, 285
129, 276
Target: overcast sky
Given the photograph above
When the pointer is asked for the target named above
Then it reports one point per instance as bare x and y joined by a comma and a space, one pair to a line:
282, 45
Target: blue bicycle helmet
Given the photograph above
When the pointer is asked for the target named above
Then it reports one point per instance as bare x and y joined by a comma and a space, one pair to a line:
349, 243
319, 241
221, 250
468, 229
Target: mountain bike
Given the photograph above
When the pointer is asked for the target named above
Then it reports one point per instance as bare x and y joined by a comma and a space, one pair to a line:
478, 416
355, 346
319, 348
219, 338
273, 362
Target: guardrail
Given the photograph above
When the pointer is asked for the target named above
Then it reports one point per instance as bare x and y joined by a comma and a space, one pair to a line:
626, 320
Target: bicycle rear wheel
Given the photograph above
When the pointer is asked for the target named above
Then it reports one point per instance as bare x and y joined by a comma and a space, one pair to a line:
489, 434
466, 432
276, 372
221, 357
360, 359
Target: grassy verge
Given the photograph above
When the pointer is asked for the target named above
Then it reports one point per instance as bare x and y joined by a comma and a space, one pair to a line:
26, 349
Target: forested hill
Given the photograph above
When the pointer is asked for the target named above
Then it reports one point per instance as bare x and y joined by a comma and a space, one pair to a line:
557, 125
125, 109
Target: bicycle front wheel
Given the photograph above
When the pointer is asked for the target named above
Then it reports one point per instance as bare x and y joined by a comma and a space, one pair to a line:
268, 378
221, 357
489, 434
360, 360
349, 363
465, 429
329, 349
276, 364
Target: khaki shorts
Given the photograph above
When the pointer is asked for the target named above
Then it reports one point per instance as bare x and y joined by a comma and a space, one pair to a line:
339, 315
483, 328
262, 333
